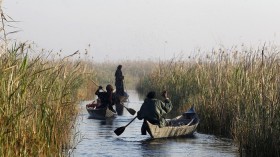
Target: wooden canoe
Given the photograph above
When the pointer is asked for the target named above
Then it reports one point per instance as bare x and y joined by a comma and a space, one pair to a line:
100, 113
120, 103
123, 98
183, 125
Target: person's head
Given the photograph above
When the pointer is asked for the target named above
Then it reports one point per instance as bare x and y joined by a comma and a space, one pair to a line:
151, 95
119, 66
109, 88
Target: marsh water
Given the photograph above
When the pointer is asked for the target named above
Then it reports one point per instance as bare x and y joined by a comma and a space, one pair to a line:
97, 138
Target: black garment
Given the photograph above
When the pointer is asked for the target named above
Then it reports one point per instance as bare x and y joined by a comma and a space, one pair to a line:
144, 128
107, 99
154, 111
119, 82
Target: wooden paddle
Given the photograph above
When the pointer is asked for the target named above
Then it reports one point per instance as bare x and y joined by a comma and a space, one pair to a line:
120, 130
94, 83
130, 110
190, 122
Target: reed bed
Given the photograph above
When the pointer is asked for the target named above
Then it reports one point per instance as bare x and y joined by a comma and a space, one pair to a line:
38, 101
235, 92
132, 71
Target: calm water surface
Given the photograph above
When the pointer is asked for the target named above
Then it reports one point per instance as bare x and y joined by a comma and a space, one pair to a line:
97, 138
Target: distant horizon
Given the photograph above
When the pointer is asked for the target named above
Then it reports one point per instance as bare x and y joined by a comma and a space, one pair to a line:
141, 29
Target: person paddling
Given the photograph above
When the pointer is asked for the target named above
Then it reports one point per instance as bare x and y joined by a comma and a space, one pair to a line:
108, 97
154, 110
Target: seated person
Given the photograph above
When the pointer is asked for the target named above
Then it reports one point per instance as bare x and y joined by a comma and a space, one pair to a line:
108, 97
94, 104
154, 110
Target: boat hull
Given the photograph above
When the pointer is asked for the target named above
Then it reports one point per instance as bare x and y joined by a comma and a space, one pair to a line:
102, 113
183, 125
171, 131
120, 103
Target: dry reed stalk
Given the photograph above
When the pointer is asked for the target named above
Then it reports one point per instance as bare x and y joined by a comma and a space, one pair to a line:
236, 96
38, 103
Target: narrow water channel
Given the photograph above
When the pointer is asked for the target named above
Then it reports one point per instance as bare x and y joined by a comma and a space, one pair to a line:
97, 138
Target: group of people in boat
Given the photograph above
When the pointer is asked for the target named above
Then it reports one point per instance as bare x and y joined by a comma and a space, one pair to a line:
108, 98
153, 110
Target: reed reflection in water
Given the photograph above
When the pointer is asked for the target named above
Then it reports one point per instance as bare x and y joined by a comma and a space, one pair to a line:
98, 139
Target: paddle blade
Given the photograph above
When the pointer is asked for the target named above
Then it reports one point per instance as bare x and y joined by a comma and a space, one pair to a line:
119, 130
131, 111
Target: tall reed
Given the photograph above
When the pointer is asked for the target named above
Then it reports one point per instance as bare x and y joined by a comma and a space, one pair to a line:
132, 70
38, 102
235, 92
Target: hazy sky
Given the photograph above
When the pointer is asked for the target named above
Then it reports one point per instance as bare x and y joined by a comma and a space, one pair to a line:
132, 29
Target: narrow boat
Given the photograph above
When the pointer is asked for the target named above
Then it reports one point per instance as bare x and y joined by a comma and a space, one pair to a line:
104, 113
100, 113
183, 125
122, 100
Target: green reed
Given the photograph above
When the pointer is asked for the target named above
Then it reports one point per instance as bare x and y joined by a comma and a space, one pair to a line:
236, 94
38, 101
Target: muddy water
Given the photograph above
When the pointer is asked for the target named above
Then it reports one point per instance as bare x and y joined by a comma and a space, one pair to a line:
97, 138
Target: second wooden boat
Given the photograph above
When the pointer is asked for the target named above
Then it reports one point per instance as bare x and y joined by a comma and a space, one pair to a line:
182, 125
100, 113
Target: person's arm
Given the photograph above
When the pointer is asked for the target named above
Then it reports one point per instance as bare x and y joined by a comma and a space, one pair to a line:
118, 75
97, 91
140, 112
139, 116
121, 75
166, 105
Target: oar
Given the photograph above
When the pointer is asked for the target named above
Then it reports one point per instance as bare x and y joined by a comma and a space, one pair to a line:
130, 110
94, 83
190, 122
120, 130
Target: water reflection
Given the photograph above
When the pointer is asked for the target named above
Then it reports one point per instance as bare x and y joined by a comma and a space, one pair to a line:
99, 139
119, 108
107, 122
154, 148
198, 145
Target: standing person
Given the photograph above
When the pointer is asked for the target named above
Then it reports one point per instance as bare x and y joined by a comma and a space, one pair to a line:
119, 81
108, 97
154, 110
